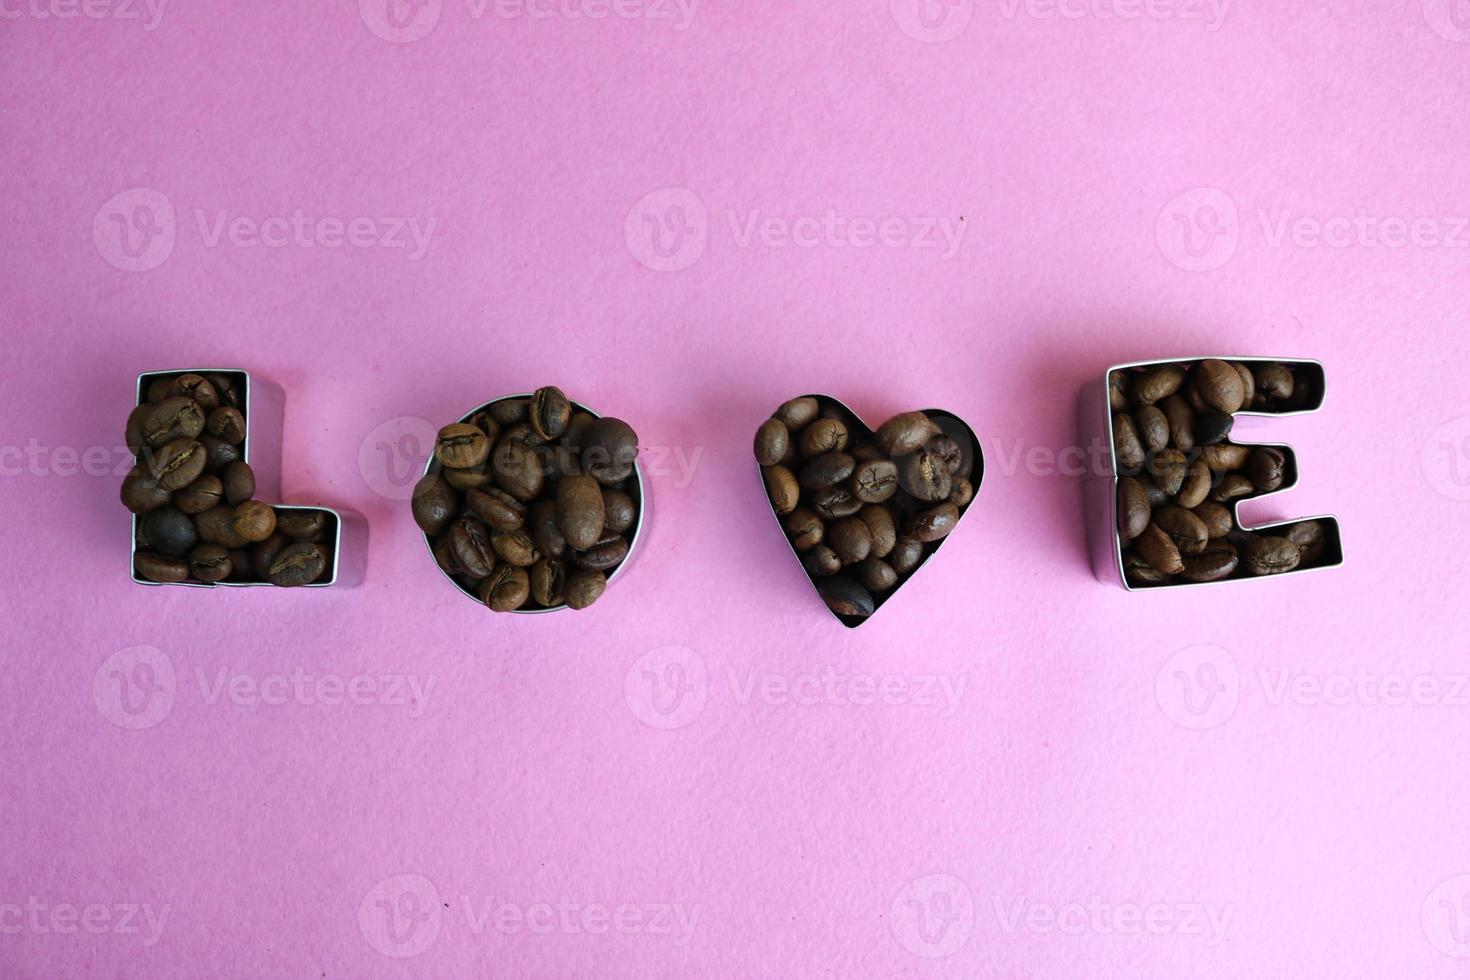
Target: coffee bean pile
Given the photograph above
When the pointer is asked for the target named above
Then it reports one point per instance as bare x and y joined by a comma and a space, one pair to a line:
531, 503
862, 509
193, 493
1179, 474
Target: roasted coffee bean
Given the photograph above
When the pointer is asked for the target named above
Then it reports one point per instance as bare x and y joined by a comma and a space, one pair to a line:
544, 531
905, 433
584, 587
1266, 468
1155, 493
1198, 482
826, 470
1225, 457
506, 588
297, 564
171, 419
1118, 390
1187, 531
835, 503
201, 495
141, 492
498, 509
1181, 422
1169, 467
238, 482
1219, 386
620, 512
1270, 555
1216, 518
805, 529
851, 539
461, 446
517, 469
1274, 382
1157, 383
1133, 508
550, 412
963, 492
772, 440
1140, 572
1159, 550
1247, 384
218, 453
170, 532
876, 575
230, 394
510, 411
1232, 486
1152, 426
580, 512
263, 554
434, 504
227, 424
159, 389
523, 433
821, 560
210, 563
605, 555
198, 388
845, 596
798, 413
951, 452
254, 521
925, 476
514, 547
823, 436
217, 526
934, 524
880, 525
177, 464
907, 554
241, 569
1214, 428
474, 478
782, 488
609, 449
1216, 561
875, 480
133, 431
301, 525
160, 568
472, 549
548, 582
1127, 446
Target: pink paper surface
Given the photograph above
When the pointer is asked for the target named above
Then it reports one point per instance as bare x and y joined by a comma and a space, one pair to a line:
684, 215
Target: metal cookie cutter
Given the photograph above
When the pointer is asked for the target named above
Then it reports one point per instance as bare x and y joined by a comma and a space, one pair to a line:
950, 425
1095, 422
262, 405
637, 490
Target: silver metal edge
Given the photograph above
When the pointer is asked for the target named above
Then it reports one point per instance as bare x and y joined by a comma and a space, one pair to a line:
632, 542
880, 601
1109, 521
276, 411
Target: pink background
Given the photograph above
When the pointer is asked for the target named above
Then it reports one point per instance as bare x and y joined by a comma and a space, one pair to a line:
1155, 759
